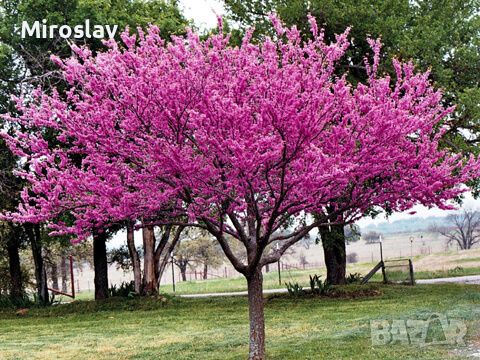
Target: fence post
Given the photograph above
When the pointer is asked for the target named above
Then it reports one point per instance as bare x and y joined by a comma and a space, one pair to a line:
412, 276
279, 274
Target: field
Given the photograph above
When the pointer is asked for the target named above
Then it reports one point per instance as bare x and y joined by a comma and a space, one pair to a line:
426, 267
217, 328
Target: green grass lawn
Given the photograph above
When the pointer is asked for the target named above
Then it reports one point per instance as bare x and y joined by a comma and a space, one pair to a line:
217, 328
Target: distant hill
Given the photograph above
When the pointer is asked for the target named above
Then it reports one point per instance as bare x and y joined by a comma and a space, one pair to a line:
413, 224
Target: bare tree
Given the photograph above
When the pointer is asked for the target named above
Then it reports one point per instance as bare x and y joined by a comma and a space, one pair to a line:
463, 229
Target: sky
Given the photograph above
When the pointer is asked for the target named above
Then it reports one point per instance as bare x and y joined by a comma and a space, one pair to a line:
204, 14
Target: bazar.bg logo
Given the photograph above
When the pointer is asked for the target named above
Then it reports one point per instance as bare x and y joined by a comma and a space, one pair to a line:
437, 329
40, 30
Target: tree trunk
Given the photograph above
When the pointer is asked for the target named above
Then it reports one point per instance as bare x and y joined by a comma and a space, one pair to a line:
256, 315
100, 265
161, 266
333, 241
183, 270
137, 272
64, 273
149, 278
165, 251
33, 233
205, 271
54, 274
16, 282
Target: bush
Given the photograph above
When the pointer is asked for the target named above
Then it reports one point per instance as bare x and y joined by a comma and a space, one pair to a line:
318, 286
126, 290
294, 289
6, 302
371, 237
352, 258
355, 278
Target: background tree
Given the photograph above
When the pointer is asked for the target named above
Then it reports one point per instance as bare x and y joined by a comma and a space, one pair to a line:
197, 248
206, 251
35, 53
442, 36
371, 237
352, 233
184, 257
156, 253
57, 258
464, 230
26, 62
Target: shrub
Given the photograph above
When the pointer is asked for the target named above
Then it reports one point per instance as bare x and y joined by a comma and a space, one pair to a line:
6, 302
294, 289
371, 237
353, 278
318, 286
352, 258
126, 290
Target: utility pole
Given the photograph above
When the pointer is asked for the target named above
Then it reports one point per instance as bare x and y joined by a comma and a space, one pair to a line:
173, 273
411, 247
381, 259
279, 272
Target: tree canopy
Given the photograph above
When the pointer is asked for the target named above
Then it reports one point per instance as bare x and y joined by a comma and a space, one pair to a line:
442, 36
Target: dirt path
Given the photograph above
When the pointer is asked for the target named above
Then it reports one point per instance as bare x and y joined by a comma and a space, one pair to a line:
472, 279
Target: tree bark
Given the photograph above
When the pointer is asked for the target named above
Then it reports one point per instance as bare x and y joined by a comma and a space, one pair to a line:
161, 263
256, 315
100, 265
205, 271
16, 282
149, 265
64, 273
54, 274
333, 241
183, 270
137, 272
33, 233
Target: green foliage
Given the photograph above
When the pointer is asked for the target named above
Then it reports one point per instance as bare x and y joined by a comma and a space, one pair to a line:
318, 286
197, 247
6, 302
121, 257
352, 233
26, 62
354, 278
125, 290
11, 235
294, 289
132, 13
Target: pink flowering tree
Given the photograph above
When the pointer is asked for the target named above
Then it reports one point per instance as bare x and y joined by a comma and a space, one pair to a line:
242, 141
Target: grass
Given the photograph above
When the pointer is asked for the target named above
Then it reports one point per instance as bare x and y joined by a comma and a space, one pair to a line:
458, 271
217, 328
